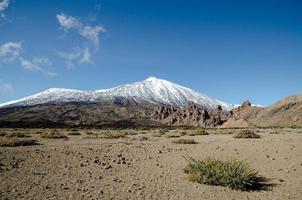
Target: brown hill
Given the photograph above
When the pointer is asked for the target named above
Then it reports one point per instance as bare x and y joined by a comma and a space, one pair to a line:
287, 112
117, 113
124, 112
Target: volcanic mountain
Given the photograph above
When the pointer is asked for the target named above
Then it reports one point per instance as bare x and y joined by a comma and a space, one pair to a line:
152, 102
152, 90
128, 105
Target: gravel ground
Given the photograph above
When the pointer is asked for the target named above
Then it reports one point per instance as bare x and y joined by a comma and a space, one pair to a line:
146, 167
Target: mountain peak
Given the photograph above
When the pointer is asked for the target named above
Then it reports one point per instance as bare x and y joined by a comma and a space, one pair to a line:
153, 79
152, 89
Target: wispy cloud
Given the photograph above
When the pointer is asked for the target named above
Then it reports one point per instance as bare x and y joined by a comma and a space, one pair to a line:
10, 51
3, 6
68, 22
92, 34
6, 89
78, 56
37, 63
86, 56
89, 32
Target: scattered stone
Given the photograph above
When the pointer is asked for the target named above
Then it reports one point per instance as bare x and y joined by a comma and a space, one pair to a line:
108, 167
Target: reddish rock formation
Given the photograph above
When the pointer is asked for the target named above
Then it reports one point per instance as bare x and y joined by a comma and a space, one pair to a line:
246, 110
191, 115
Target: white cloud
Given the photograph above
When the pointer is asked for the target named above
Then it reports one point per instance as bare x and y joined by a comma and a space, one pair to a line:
86, 56
68, 22
91, 33
3, 6
36, 64
28, 64
78, 56
10, 51
6, 89
52, 74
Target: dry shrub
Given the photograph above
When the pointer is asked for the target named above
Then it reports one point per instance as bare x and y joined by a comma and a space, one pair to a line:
175, 134
14, 142
274, 132
246, 134
184, 141
233, 174
198, 131
53, 135
17, 134
114, 134
74, 133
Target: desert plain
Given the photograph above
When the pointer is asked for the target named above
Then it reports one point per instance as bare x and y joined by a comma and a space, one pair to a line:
144, 164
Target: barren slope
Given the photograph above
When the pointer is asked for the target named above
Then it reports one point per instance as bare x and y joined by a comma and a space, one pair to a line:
287, 112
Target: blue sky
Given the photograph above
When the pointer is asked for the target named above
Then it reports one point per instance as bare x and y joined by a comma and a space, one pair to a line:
229, 50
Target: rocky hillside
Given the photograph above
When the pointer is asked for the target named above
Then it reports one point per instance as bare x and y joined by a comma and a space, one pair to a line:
191, 115
129, 112
120, 112
240, 116
287, 112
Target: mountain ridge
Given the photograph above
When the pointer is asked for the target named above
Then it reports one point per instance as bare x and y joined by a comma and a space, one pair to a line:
152, 89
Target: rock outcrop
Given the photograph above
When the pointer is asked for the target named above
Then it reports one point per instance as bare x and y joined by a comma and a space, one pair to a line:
241, 115
245, 111
191, 115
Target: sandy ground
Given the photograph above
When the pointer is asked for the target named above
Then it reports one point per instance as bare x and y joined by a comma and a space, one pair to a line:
81, 168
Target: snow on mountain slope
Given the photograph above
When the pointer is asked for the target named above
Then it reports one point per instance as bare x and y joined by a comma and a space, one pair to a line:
152, 90
162, 91
53, 95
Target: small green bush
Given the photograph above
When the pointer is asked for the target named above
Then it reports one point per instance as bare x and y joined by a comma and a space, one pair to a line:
127, 142
37, 132
163, 131
13, 142
160, 132
74, 133
184, 141
175, 134
131, 132
246, 134
274, 132
232, 173
142, 138
89, 133
143, 128
114, 135
157, 134
17, 134
198, 131
53, 135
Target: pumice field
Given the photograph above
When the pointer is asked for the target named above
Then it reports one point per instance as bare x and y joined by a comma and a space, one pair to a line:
150, 164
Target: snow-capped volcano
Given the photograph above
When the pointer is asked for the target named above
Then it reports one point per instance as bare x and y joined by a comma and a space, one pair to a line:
161, 91
152, 89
